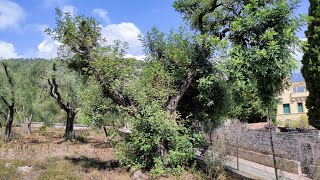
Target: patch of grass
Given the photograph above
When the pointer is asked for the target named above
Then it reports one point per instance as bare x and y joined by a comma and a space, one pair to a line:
8, 169
59, 171
43, 164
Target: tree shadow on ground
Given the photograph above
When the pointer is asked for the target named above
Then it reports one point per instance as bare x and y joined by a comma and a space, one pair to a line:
86, 162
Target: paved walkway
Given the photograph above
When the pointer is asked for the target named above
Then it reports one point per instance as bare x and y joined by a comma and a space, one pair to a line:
257, 171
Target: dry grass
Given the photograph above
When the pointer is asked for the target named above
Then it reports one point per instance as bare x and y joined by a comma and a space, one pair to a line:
51, 157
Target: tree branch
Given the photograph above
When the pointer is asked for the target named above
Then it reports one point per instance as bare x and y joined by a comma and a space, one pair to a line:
172, 103
3, 114
117, 97
202, 14
53, 91
10, 80
5, 101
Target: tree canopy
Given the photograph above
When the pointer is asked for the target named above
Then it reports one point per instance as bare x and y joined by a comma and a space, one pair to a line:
311, 64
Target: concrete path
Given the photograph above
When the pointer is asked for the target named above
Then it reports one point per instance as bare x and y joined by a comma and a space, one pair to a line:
257, 171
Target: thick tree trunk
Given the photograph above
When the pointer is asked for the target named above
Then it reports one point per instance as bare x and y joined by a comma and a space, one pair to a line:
8, 129
172, 103
69, 126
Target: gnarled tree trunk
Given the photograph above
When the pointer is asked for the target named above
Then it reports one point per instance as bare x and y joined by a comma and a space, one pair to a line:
9, 105
8, 129
69, 126
68, 107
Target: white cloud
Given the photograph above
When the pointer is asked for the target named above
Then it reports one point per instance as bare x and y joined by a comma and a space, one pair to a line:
69, 9
10, 14
7, 50
47, 48
103, 14
127, 32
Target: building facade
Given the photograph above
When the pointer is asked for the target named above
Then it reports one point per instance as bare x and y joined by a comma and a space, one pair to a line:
292, 102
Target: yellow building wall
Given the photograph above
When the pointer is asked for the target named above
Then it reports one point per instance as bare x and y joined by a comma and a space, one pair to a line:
292, 98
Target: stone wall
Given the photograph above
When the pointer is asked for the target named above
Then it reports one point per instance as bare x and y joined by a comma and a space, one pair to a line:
297, 146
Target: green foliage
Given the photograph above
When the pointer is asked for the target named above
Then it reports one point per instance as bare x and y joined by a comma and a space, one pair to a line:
311, 63
157, 143
96, 110
31, 96
253, 40
261, 55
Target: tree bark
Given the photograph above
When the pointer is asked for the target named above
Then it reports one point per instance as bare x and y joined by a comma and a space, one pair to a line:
27, 122
69, 126
8, 129
10, 106
272, 147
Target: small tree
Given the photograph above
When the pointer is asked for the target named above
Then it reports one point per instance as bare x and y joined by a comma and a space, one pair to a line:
311, 64
7, 96
68, 106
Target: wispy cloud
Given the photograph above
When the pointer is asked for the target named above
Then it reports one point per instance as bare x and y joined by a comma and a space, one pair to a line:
103, 14
126, 32
11, 14
69, 9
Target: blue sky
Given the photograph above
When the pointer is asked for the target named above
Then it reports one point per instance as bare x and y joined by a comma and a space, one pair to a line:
22, 22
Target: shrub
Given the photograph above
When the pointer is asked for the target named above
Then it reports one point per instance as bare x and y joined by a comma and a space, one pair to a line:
303, 121
158, 144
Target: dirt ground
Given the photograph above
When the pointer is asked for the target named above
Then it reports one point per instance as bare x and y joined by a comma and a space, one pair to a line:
50, 157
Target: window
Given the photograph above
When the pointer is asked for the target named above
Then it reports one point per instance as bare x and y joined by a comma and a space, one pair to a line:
300, 108
286, 108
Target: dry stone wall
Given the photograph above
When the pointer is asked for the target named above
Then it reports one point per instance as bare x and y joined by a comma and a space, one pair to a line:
302, 147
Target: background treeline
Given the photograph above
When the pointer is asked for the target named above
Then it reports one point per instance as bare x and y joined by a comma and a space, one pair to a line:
32, 96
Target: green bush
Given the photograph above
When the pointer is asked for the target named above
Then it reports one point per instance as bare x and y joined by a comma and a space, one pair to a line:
303, 121
158, 144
